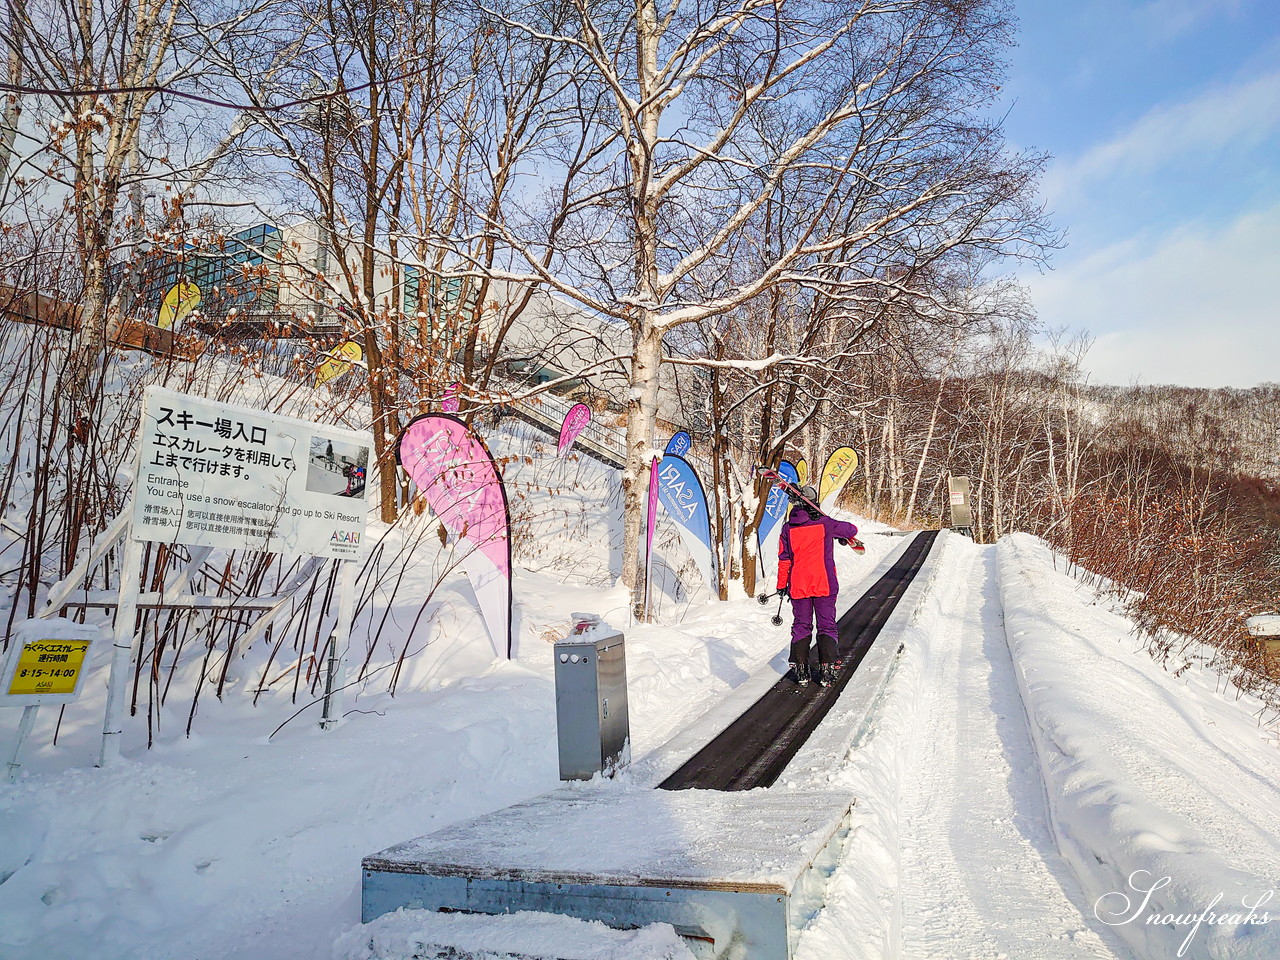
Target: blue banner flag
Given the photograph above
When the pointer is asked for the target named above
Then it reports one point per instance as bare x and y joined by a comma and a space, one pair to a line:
769, 531
681, 495
679, 444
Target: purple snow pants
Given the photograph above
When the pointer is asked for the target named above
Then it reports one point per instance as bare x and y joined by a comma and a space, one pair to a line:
804, 610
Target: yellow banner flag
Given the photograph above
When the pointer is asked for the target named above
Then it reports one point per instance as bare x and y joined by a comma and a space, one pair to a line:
182, 298
802, 471
841, 465
338, 361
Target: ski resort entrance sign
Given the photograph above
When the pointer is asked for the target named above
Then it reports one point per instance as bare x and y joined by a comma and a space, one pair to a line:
213, 476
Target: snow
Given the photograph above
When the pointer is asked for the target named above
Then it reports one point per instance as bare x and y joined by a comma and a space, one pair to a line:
233, 844
588, 629
748, 840
1149, 776
237, 843
420, 935
979, 868
964, 846
1017, 769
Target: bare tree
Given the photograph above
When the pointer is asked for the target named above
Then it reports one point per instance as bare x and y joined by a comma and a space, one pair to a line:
96, 76
855, 125
363, 76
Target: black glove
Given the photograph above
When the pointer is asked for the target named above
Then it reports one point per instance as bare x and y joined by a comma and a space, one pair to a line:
782, 591
842, 541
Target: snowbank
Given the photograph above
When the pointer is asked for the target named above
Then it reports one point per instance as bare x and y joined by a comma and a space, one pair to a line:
424, 935
1163, 794
862, 919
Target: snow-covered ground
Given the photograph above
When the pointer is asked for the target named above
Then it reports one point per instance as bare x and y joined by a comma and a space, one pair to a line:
980, 875
1025, 775
1164, 792
233, 845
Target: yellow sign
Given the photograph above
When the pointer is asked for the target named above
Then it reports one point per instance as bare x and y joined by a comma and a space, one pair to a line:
841, 465
48, 666
182, 298
338, 361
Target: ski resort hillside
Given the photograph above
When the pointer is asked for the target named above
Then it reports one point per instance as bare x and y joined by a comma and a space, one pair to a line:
691, 481
1024, 780
235, 844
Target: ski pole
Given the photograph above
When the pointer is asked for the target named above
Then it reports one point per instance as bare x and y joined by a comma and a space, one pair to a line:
776, 619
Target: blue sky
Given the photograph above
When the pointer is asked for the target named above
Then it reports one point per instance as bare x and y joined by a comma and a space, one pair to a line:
1163, 120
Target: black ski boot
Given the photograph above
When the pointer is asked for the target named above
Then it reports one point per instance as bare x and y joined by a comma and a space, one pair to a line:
801, 671
828, 648
826, 674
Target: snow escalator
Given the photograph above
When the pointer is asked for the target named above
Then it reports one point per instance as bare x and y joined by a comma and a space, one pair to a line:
755, 749
737, 872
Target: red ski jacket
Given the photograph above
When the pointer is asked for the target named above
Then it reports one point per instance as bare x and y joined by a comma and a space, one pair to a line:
806, 553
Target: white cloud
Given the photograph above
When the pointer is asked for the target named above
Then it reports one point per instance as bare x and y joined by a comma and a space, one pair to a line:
1236, 117
1199, 306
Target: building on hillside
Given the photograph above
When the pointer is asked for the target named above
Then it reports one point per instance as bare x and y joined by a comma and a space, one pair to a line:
268, 282
261, 282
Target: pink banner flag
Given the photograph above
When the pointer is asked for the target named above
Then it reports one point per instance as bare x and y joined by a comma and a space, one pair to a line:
455, 472
451, 402
575, 421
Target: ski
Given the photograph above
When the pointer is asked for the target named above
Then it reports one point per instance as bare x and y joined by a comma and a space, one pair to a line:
795, 493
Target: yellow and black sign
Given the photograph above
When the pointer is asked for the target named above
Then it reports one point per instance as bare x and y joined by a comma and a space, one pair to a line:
338, 361
48, 667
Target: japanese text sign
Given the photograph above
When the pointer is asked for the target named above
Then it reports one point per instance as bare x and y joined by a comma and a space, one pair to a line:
46, 663
216, 475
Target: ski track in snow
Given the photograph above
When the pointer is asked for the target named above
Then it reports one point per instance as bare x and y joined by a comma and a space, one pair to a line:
981, 876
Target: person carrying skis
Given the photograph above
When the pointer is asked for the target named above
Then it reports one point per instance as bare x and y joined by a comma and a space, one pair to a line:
807, 574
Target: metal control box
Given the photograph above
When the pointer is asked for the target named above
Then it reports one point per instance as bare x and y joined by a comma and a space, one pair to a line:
961, 505
592, 725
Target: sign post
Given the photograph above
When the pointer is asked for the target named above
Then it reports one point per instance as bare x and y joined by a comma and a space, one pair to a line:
121, 651
335, 680
45, 665
24, 727
216, 476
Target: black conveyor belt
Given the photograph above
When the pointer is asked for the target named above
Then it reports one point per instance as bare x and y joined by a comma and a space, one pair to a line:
755, 749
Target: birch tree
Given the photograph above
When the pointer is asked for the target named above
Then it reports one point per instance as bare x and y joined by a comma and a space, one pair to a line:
364, 81
95, 80
859, 119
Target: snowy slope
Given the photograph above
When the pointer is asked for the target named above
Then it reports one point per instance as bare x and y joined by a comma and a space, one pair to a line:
952, 856
1157, 785
1008, 791
233, 845
230, 845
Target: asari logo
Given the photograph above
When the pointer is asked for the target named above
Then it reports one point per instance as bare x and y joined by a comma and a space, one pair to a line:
349, 537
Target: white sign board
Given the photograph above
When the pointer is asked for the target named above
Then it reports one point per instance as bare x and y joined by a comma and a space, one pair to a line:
46, 662
1264, 625
961, 515
216, 475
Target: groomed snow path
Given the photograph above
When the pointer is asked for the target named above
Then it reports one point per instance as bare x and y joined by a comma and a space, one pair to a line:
981, 876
